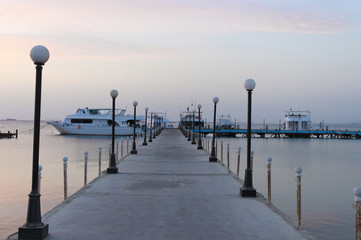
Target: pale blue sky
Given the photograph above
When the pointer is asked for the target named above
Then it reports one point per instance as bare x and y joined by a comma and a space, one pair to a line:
165, 54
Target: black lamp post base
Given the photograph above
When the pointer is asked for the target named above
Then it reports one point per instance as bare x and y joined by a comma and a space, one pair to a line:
112, 170
145, 144
150, 140
213, 159
39, 232
199, 147
248, 192
188, 139
133, 152
193, 142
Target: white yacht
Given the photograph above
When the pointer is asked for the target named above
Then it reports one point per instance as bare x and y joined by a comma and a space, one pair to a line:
98, 121
297, 120
225, 122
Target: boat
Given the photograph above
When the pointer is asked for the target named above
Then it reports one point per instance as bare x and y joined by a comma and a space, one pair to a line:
297, 120
186, 119
98, 121
225, 122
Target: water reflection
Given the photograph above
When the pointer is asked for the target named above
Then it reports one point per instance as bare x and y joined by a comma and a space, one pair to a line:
16, 165
331, 168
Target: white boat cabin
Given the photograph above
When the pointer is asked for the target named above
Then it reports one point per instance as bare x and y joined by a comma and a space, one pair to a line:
297, 120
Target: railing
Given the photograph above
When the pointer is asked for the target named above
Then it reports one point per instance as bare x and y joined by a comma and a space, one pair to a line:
207, 146
120, 153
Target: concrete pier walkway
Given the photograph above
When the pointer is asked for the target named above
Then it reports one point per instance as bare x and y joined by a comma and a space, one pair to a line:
169, 190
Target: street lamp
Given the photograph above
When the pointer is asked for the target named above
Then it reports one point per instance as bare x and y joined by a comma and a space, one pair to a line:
199, 127
213, 157
155, 125
193, 140
189, 127
150, 127
248, 190
134, 149
112, 164
145, 130
34, 228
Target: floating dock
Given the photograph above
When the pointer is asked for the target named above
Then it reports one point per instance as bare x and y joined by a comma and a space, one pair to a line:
286, 133
169, 190
9, 135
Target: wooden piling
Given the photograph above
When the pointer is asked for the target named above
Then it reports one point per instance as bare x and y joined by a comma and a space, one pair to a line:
298, 179
269, 162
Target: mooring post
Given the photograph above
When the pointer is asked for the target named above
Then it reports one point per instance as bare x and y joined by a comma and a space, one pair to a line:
357, 199
216, 154
110, 153
203, 139
100, 161
221, 150
228, 156
207, 144
269, 162
252, 155
298, 171
85, 167
117, 151
238, 160
40, 168
65, 161
121, 148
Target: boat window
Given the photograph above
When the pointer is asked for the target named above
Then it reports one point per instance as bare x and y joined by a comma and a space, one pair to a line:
292, 125
94, 111
110, 122
130, 123
79, 120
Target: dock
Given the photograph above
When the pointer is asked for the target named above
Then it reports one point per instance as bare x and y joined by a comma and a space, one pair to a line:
9, 135
337, 134
169, 190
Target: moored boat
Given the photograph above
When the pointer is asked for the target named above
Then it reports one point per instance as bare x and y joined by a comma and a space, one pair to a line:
98, 121
225, 122
297, 120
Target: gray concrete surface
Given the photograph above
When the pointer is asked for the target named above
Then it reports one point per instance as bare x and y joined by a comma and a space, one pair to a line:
169, 190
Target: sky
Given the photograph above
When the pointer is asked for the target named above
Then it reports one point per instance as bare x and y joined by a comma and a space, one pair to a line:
168, 55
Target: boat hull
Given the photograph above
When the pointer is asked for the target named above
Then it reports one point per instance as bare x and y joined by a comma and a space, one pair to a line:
83, 129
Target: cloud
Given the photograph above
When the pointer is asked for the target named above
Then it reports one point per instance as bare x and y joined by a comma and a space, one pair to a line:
139, 17
119, 30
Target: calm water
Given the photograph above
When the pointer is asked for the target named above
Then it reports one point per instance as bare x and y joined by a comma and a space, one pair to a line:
331, 168
16, 165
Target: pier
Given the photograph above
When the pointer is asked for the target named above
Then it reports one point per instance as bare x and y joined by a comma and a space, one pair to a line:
169, 190
9, 135
344, 134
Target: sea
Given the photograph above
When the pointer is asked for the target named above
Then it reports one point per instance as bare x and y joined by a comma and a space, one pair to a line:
331, 169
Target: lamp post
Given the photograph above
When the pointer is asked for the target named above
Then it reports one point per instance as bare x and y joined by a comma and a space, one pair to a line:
134, 149
213, 157
155, 125
199, 127
156, 132
34, 228
189, 127
193, 140
150, 127
248, 190
112, 164
145, 130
